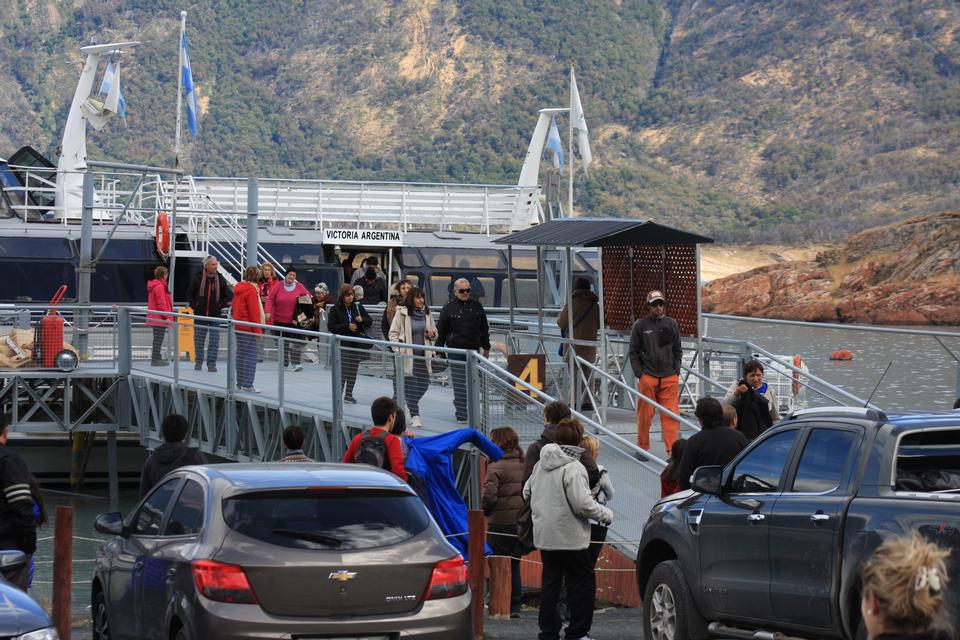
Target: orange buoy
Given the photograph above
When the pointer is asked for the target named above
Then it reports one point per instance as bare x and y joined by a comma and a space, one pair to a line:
162, 233
841, 354
795, 385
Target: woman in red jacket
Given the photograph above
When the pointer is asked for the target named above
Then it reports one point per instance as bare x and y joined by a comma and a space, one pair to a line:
282, 304
158, 299
246, 307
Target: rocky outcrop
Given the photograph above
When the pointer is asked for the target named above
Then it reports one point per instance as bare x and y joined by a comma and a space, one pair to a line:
903, 273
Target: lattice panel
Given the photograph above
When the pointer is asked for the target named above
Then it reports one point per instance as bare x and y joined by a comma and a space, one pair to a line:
670, 268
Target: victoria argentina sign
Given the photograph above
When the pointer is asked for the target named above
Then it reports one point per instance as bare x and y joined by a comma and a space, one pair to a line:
363, 237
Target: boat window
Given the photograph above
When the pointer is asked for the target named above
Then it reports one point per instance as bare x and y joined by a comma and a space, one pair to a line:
439, 290
488, 283
464, 258
525, 260
36, 248
414, 278
410, 258
526, 292
296, 254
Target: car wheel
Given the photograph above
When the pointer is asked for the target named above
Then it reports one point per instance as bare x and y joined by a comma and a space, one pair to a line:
100, 622
666, 604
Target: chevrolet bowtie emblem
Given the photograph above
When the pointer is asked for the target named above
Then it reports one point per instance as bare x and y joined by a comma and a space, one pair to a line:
342, 576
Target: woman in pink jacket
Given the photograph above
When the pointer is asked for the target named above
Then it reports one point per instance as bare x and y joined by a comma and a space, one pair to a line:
158, 299
282, 303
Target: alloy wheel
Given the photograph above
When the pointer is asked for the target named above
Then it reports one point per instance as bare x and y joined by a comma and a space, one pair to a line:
663, 614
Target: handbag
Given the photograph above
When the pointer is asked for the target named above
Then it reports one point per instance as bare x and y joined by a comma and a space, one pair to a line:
525, 527
438, 364
303, 318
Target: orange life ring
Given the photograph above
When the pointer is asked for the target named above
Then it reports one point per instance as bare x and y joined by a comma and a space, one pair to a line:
162, 233
841, 354
795, 385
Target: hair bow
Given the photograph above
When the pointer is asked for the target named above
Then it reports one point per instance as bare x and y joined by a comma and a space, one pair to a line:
927, 577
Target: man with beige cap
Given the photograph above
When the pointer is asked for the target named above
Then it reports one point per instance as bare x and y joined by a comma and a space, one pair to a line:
655, 353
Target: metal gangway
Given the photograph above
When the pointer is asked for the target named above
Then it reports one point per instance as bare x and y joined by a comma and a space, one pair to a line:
115, 388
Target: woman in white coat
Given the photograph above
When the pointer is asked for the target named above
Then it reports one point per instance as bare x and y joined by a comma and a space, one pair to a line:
413, 324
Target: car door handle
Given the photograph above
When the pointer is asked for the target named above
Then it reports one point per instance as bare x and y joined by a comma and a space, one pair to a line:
819, 517
756, 517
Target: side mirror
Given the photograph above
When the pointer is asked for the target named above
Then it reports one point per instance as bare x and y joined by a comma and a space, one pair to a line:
11, 560
707, 480
109, 523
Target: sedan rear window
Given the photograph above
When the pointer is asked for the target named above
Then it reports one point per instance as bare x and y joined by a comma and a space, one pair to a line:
338, 520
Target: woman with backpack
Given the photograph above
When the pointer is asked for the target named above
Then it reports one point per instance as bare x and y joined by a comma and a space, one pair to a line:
349, 318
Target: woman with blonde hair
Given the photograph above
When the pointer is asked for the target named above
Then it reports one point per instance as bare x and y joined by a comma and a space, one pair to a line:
246, 307
904, 585
602, 492
501, 502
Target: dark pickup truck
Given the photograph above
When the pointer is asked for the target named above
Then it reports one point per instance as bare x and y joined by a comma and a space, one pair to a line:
774, 541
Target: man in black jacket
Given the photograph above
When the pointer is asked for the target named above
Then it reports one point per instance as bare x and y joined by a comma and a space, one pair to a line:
208, 295
18, 528
715, 444
462, 325
172, 454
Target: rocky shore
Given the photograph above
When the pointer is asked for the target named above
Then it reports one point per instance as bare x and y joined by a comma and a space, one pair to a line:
903, 273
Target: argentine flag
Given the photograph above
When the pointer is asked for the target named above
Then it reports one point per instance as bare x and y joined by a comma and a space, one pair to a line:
554, 145
109, 77
188, 88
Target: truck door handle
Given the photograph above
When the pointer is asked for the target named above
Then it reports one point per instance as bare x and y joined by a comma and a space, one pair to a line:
819, 517
138, 565
756, 517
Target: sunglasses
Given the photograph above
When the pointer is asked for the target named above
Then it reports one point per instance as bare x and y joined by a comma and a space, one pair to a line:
657, 303
463, 290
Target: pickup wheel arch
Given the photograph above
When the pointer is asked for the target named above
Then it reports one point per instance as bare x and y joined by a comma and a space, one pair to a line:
648, 558
668, 609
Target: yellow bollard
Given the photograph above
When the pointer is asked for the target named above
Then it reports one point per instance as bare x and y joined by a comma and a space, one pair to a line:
185, 334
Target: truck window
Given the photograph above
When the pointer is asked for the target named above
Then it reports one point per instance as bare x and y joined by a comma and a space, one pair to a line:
929, 462
823, 461
761, 469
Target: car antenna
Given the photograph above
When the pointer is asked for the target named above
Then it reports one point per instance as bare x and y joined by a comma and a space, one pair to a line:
867, 403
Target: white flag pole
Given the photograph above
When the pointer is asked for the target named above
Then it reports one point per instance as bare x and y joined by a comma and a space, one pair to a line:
570, 150
183, 28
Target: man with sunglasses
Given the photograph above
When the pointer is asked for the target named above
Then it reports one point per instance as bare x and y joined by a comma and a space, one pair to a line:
462, 325
655, 353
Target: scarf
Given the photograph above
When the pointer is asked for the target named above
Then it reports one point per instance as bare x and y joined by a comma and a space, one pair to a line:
289, 287
212, 281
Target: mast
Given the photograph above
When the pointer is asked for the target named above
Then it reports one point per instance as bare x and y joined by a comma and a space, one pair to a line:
570, 150
183, 28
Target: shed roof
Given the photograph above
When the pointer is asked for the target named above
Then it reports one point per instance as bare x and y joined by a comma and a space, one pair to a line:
600, 232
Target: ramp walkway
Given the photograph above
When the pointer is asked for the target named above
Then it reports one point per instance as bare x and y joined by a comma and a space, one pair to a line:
115, 388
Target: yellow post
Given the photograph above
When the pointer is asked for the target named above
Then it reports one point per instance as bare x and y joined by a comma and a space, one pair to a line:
185, 329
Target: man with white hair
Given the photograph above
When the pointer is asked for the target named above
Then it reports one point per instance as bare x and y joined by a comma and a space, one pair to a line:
208, 295
462, 325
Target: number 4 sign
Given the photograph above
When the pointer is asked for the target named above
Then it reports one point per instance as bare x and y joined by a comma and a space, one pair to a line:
530, 368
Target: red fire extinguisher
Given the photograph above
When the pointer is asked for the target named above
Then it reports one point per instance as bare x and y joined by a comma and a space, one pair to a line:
51, 331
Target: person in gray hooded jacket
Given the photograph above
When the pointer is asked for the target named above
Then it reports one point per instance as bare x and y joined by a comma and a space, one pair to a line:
562, 507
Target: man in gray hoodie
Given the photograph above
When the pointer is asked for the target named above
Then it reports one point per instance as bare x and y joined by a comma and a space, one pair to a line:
655, 354
562, 507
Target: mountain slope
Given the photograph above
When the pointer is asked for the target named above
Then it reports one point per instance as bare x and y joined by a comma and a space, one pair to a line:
750, 118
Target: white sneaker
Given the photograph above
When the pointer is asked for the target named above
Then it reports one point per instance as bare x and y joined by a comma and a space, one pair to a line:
290, 368
249, 389
297, 367
415, 421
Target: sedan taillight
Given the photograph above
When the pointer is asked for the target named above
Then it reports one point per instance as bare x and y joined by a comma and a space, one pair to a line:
222, 582
449, 579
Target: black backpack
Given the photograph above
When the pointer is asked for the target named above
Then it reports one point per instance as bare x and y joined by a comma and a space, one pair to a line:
372, 450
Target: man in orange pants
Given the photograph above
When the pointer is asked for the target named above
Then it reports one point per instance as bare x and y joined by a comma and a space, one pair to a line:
655, 354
